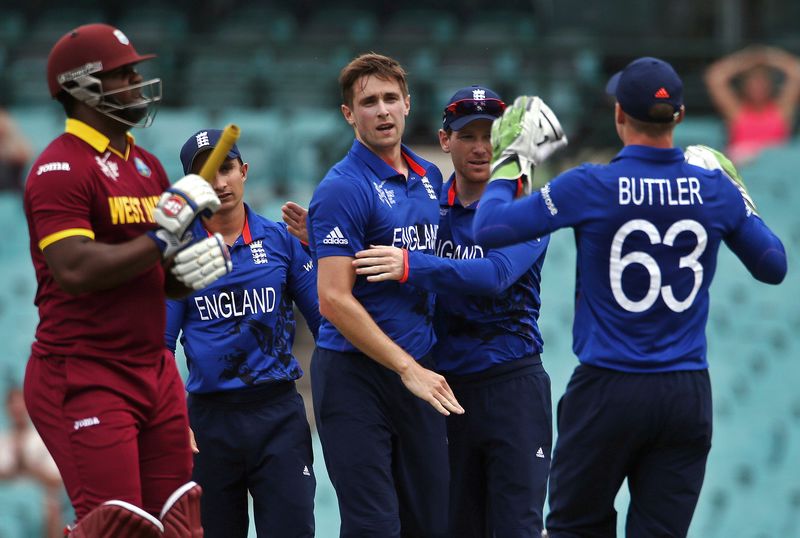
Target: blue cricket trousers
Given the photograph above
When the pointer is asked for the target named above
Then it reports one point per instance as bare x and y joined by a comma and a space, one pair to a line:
653, 429
385, 449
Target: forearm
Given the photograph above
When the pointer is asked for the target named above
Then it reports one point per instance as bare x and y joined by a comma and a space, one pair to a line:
500, 221
81, 265
356, 324
760, 250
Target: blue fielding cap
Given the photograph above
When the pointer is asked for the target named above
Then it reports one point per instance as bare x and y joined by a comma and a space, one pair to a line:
199, 142
470, 104
646, 82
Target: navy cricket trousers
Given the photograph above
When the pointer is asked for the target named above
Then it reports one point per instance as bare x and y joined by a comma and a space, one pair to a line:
257, 440
500, 451
653, 429
385, 449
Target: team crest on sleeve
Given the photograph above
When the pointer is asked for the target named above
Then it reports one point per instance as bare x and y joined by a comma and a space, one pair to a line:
109, 168
141, 167
258, 252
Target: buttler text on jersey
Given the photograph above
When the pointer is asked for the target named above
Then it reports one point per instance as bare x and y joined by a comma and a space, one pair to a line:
659, 191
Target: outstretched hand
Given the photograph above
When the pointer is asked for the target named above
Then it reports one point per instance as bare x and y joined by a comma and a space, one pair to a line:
379, 263
294, 215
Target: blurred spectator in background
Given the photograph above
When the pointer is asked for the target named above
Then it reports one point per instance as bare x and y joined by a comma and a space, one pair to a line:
15, 153
23, 457
758, 113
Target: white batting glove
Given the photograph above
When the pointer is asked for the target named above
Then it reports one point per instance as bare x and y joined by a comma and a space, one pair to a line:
711, 159
180, 204
525, 135
201, 264
169, 243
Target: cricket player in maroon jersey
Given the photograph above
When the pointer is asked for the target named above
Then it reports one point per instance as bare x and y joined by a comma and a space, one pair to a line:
104, 224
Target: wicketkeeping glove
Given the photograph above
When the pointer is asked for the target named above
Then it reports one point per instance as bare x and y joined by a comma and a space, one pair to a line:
201, 264
711, 159
525, 135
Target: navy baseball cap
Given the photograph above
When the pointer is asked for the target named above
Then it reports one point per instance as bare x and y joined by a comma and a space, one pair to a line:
646, 82
199, 142
470, 104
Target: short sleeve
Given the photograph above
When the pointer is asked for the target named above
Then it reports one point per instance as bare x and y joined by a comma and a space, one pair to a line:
338, 217
59, 202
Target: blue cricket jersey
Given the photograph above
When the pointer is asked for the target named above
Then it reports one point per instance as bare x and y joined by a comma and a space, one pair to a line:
487, 301
238, 332
363, 201
648, 227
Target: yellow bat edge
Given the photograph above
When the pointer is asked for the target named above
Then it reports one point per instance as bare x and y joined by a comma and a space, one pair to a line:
229, 137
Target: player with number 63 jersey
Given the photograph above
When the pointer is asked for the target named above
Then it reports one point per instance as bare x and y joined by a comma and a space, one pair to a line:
648, 227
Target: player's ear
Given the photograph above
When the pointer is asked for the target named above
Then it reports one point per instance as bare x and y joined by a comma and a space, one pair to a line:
348, 115
619, 115
245, 167
681, 114
444, 140
407, 103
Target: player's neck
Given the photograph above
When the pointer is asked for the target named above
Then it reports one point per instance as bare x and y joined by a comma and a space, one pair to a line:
227, 223
115, 131
469, 191
634, 138
393, 157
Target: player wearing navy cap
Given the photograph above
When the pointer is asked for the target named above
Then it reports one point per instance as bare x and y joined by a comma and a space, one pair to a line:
384, 446
248, 420
648, 227
488, 340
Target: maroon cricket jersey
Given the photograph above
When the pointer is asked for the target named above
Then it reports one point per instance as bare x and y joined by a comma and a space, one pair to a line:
80, 186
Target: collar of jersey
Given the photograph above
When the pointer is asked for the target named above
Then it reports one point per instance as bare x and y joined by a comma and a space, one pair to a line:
650, 153
449, 196
380, 168
95, 138
247, 230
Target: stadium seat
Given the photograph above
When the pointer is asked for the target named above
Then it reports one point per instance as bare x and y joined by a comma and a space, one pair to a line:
254, 25
152, 27
500, 27
340, 25
414, 26
55, 21
708, 131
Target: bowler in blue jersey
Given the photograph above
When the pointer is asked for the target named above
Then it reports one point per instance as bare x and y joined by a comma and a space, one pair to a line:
379, 407
249, 422
648, 227
488, 341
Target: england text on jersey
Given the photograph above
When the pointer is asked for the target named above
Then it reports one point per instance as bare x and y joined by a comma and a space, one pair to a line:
229, 303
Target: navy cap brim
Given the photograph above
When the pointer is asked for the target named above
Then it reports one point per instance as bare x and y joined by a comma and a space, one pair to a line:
459, 123
613, 82
187, 170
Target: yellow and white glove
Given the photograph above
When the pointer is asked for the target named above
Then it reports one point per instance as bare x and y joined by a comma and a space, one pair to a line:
201, 264
525, 135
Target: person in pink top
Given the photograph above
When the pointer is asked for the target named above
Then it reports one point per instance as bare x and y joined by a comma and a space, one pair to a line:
758, 113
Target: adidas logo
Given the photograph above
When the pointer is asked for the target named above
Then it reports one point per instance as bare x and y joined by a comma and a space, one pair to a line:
540, 453
335, 237
305, 471
662, 93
